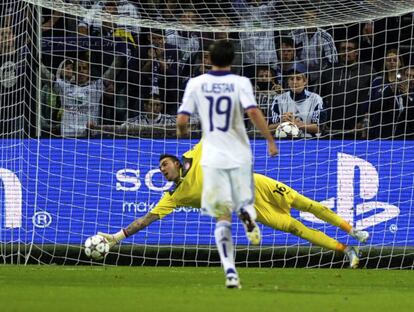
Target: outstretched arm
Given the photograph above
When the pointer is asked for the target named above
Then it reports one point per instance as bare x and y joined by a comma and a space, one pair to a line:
164, 207
141, 223
134, 227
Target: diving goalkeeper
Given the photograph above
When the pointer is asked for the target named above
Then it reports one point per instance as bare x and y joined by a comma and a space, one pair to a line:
273, 201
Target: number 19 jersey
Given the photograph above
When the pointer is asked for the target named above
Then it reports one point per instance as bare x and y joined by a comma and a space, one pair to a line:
220, 98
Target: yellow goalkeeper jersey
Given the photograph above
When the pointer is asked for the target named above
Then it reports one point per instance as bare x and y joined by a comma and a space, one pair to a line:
271, 196
186, 193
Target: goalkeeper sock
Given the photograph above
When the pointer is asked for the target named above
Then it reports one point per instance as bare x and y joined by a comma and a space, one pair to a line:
314, 236
320, 211
121, 235
224, 243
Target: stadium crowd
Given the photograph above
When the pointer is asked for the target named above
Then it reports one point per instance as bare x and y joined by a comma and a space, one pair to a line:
100, 77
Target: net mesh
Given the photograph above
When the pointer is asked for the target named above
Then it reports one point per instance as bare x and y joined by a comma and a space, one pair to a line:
273, 15
90, 90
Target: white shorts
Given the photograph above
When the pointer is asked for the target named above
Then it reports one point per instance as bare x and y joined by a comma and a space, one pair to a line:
227, 190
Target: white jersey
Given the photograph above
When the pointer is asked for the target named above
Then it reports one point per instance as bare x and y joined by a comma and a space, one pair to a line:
220, 98
81, 104
308, 108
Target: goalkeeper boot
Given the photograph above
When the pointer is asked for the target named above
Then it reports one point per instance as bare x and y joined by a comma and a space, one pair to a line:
251, 228
232, 279
353, 257
361, 236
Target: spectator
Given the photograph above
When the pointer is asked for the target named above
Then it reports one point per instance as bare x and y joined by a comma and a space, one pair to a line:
169, 10
376, 37
118, 44
57, 24
121, 94
14, 14
116, 41
151, 121
52, 24
298, 105
17, 91
188, 42
7, 7
7, 41
87, 4
315, 47
114, 104
345, 89
405, 125
60, 31
266, 90
159, 69
113, 38
11, 85
390, 72
95, 25
258, 47
265, 80
203, 65
389, 98
223, 34
153, 115
372, 47
286, 60
51, 110
81, 101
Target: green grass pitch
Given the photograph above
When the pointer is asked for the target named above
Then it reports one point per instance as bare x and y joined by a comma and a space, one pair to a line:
82, 288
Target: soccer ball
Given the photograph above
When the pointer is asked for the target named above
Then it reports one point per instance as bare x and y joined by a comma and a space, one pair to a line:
287, 129
96, 247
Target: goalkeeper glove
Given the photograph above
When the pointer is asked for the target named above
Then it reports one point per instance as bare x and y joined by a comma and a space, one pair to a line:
114, 239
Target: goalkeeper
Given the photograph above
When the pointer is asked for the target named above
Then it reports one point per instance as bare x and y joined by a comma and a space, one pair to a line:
273, 201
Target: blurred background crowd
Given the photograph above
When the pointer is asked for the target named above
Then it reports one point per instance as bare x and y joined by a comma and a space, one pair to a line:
102, 77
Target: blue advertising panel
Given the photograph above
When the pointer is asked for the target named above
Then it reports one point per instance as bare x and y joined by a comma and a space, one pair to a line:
64, 190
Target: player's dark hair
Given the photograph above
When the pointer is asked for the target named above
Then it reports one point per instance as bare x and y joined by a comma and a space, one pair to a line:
110, 3
84, 57
353, 41
173, 157
288, 41
397, 53
221, 53
271, 70
67, 62
159, 32
153, 97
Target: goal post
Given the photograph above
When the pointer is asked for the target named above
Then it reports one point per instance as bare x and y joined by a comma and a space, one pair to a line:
91, 91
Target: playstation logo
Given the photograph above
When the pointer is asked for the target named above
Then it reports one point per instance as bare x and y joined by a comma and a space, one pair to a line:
348, 188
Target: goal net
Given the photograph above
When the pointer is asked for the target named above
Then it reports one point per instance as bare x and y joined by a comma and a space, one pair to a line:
89, 95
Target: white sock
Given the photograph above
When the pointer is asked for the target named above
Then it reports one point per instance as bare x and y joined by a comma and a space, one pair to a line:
224, 243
